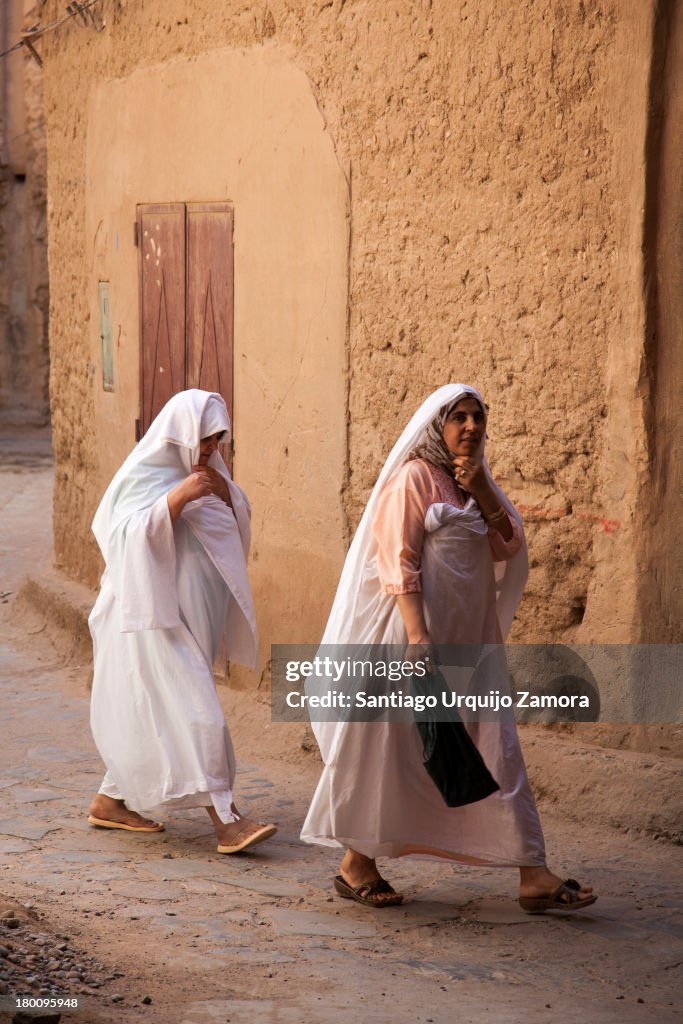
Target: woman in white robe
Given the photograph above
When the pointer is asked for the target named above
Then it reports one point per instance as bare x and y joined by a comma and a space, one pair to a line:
174, 531
439, 557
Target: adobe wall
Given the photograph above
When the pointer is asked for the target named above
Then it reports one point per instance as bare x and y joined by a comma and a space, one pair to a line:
24, 370
660, 548
259, 144
497, 163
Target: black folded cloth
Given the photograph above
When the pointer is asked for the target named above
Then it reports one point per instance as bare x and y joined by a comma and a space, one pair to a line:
454, 764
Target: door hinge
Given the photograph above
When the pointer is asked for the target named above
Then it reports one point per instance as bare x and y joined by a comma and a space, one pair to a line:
137, 431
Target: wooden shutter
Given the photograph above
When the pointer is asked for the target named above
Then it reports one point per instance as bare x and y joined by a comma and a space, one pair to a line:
161, 237
210, 299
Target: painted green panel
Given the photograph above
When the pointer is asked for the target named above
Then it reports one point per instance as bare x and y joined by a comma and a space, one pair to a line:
106, 336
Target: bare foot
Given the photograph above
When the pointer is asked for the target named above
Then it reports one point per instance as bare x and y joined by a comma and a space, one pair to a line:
356, 870
107, 809
542, 882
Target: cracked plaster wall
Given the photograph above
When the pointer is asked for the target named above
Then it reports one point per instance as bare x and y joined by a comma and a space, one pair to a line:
261, 145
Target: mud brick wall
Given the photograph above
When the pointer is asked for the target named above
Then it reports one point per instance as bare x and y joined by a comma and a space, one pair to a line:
499, 161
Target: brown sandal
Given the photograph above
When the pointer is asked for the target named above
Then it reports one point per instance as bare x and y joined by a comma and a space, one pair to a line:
157, 826
565, 897
363, 893
251, 839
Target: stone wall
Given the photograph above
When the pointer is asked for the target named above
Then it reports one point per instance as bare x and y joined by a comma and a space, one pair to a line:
498, 160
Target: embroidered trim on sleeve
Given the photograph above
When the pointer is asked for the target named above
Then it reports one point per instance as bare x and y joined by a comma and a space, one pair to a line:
402, 588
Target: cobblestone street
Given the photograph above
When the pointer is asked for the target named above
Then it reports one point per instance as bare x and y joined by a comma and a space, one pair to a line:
160, 928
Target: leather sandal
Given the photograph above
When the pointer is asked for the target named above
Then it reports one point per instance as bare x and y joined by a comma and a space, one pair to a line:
251, 839
565, 897
363, 893
157, 826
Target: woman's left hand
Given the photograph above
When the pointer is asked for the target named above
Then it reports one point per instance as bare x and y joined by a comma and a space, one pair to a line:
470, 474
472, 477
219, 485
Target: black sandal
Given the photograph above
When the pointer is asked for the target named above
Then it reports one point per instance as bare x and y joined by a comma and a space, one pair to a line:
363, 893
565, 897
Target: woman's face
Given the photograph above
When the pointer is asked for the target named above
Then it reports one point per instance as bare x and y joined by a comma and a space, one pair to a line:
464, 427
207, 446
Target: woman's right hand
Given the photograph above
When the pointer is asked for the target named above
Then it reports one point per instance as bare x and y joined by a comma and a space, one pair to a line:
421, 652
199, 484
420, 646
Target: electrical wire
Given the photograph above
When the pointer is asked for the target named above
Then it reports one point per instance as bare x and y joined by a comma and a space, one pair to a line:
75, 8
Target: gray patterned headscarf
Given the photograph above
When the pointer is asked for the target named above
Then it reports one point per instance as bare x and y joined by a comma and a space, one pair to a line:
431, 445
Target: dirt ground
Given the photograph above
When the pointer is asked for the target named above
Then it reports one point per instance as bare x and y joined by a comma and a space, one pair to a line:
160, 928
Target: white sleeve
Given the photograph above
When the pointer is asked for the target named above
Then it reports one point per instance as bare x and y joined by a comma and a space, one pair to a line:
142, 560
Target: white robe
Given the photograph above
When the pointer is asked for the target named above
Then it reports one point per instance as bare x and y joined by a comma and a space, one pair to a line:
168, 594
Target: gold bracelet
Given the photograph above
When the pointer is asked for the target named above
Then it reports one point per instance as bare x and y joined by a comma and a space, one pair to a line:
496, 517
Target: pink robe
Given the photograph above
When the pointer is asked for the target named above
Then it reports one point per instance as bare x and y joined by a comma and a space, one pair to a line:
374, 794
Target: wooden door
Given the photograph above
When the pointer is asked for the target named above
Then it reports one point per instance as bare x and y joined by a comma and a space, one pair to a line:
186, 303
210, 298
161, 241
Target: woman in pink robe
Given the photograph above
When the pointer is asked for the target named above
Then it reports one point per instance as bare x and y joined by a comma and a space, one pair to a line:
439, 558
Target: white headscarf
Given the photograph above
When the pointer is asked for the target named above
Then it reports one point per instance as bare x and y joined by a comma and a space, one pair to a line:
432, 446
169, 450
342, 625
162, 459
